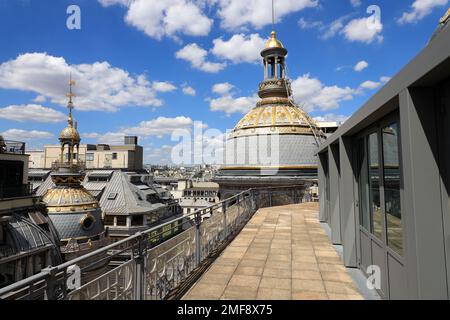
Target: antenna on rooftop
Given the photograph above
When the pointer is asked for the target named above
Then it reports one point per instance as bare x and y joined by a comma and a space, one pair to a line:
273, 15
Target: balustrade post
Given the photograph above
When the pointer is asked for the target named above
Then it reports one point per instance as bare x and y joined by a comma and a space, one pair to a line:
198, 222
50, 290
225, 225
140, 266
238, 209
270, 198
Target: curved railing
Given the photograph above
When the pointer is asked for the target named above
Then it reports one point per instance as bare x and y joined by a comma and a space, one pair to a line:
148, 271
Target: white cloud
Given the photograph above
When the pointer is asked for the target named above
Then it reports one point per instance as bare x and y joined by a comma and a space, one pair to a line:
160, 126
228, 103
326, 30
197, 58
239, 48
311, 93
331, 117
107, 3
187, 90
39, 99
371, 85
238, 13
100, 86
222, 88
24, 135
163, 86
355, 3
111, 138
360, 66
420, 9
364, 30
331, 30
158, 19
31, 113
304, 24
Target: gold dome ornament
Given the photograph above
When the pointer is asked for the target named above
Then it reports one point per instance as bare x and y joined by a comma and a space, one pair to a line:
273, 41
446, 17
70, 133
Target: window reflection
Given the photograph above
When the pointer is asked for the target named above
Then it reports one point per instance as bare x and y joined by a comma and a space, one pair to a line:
364, 212
374, 185
392, 188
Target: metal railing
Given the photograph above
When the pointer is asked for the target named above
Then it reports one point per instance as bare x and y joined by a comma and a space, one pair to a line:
76, 166
10, 146
153, 272
9, 192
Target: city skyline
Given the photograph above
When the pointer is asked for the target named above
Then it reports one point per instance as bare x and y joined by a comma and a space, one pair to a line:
144, 71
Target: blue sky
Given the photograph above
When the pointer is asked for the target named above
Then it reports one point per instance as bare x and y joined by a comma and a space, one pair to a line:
147, 67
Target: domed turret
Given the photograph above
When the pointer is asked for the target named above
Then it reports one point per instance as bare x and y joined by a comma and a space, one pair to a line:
76, 214
273, 41
275, 142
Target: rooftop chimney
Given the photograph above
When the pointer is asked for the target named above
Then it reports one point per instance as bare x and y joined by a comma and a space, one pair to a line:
133, 140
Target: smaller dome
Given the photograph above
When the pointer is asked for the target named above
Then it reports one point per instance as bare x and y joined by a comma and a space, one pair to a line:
274, 42
70, 133
69, 200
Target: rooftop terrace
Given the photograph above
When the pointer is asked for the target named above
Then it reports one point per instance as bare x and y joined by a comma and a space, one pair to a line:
244, 248
282, 253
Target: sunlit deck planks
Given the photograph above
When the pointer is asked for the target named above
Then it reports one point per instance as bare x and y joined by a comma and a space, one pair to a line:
282, 253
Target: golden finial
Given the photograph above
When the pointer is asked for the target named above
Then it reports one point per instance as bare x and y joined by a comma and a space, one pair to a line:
70, 95
446, 17
273, 41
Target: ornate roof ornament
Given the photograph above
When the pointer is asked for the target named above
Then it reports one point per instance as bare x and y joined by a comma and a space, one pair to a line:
445, 18
276, 113
273, 42
70, 134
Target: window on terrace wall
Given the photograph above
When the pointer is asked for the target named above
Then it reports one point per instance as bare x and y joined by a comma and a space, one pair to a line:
391, 169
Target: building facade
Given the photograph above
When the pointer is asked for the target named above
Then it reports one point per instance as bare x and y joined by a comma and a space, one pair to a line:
29, 241
384, 177
197, 195
128, 156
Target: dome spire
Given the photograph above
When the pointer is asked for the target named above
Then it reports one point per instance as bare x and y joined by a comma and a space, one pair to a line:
70, 95
273, 16
70, 136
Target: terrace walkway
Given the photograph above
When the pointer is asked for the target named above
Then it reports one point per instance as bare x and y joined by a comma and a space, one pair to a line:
282, 253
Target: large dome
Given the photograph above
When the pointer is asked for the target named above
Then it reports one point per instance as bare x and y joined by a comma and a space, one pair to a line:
276, 135
275, 116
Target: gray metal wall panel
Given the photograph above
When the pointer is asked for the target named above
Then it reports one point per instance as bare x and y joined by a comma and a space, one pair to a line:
444, 152
422, 213
347, 203
335, 220
322, 200
397, 279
